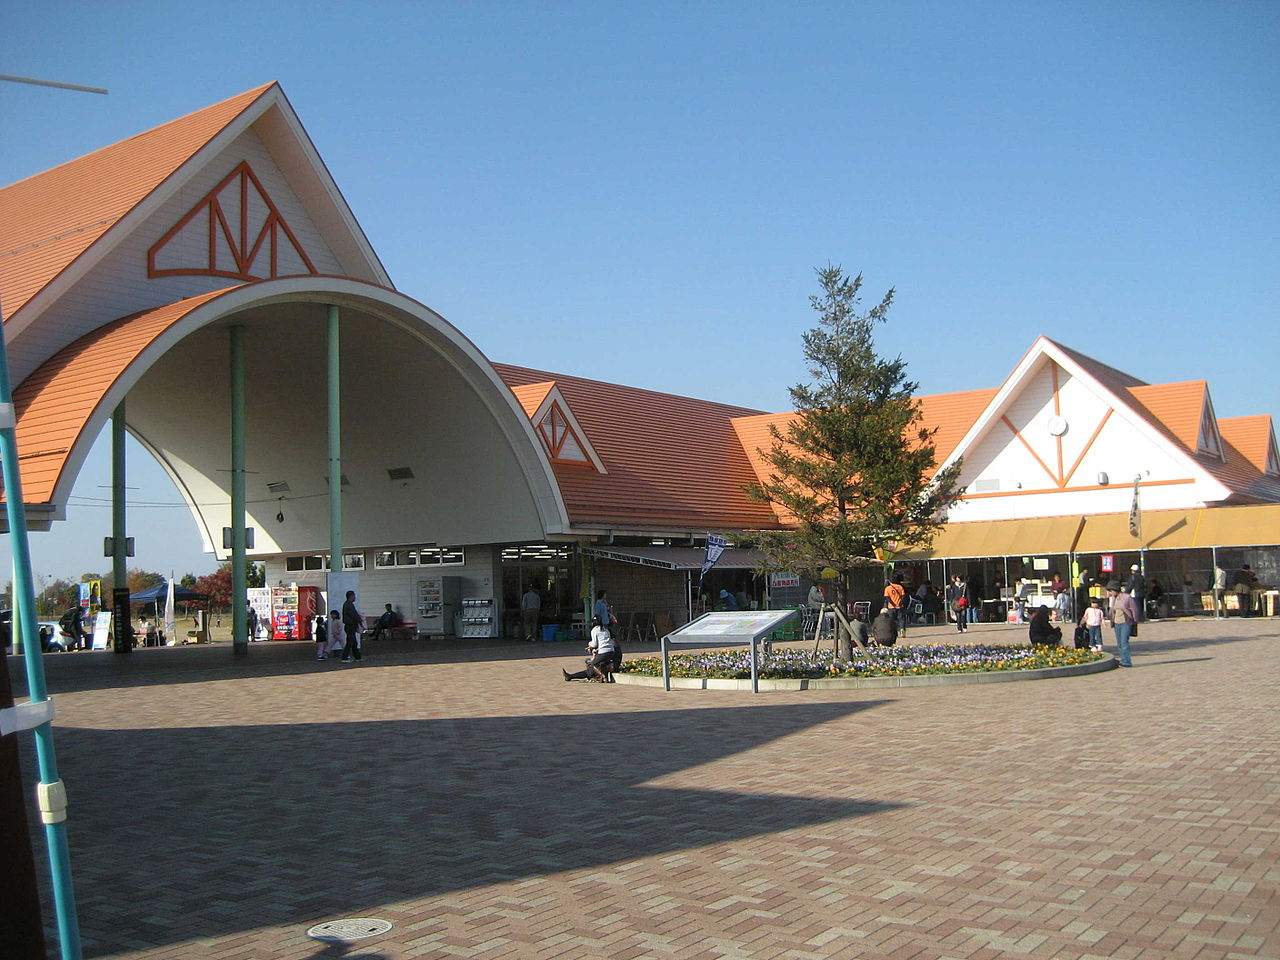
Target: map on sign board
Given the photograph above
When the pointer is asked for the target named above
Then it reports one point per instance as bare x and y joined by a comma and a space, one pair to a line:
729, 625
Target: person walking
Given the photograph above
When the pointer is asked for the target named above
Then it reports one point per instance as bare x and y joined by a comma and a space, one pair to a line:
895, 600
1245, 580
1219, 590
530, 613
336, 639
604, 612
1082, 592
251, 620
352, 624
958, 601
1137, 588
322, 638
1123, 615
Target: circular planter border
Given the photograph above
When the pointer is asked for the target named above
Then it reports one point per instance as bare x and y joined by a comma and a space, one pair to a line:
863, 683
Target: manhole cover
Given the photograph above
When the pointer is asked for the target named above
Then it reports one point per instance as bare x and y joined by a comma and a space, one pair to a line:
353, 928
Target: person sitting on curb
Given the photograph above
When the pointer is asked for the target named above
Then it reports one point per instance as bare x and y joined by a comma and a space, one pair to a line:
1041, 631
884, 629
601, 664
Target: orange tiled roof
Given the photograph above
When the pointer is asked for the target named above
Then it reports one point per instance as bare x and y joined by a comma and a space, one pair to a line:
1246, 441
1176, 408
952, 414
54, 404
1252, 437
672, 461
531, 395
48, 220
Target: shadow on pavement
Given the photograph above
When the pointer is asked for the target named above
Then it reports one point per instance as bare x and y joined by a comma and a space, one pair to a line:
104, 670
203, 832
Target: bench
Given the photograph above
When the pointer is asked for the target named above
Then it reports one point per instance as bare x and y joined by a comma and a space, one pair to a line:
404, 630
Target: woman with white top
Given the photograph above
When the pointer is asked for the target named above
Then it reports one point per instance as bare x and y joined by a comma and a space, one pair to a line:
604, 656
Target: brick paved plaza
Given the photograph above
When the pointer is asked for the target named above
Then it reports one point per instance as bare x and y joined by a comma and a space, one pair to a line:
487, 809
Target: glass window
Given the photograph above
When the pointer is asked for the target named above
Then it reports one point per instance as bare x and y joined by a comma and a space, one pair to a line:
538, 552
441, 556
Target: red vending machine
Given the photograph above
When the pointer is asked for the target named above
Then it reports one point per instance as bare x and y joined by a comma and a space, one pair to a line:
284, 613
310, 606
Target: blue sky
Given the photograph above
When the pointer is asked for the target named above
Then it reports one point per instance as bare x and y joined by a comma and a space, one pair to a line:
639, 192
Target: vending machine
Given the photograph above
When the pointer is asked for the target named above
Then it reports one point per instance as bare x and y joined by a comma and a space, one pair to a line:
476, 618
438, 602
310, 606
284, 613
260, 599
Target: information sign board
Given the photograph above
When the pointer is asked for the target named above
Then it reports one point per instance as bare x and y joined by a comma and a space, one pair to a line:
101, 627
725, 627
730, 626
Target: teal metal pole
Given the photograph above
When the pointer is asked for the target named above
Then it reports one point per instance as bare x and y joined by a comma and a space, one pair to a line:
335, 449
51, 793
239, 578
119, 541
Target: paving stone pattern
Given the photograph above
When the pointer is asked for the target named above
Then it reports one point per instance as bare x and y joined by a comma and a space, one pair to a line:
220, 807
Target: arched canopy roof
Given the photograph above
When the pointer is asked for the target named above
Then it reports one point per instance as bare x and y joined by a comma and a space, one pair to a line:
416, 394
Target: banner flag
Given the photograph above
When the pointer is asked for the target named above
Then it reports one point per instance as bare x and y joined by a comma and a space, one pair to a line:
1135, 512
170, 624
715, 547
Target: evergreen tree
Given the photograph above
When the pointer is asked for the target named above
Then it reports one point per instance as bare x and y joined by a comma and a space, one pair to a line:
853, 471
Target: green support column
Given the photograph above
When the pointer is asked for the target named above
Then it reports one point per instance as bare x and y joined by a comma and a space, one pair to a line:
239, 580
335, 451
119, 538
50, 792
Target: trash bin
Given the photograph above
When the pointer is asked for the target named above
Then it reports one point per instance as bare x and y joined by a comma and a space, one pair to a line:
549, 631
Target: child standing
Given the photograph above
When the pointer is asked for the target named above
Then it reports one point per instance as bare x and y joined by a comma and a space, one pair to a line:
322, 638
1092, 621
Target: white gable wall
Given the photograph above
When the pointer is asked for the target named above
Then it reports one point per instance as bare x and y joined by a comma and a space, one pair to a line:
1004, 480
118, 285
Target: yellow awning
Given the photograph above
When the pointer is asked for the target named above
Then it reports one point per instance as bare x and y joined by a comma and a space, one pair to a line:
1240, 527
1109, 532
1038, 536
1161, 530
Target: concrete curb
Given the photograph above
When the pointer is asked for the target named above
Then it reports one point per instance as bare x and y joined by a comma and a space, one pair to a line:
872, 683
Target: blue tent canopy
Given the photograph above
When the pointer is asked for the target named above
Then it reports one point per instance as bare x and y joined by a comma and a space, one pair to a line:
158, 593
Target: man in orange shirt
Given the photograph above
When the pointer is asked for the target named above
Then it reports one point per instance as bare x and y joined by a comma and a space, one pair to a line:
895, 598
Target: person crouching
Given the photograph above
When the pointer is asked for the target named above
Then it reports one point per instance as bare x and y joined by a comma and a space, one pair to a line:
602, 661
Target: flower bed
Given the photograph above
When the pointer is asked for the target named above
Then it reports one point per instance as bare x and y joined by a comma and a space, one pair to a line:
791, 663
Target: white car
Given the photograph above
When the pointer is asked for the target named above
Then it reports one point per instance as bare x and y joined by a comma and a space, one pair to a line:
58, 640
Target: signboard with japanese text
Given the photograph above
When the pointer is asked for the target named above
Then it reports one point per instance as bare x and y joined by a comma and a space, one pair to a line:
730, 626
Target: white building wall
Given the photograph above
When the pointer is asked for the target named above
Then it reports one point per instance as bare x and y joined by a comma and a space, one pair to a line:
1005, 480
119, 285
398, 586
